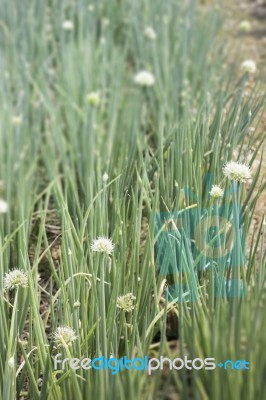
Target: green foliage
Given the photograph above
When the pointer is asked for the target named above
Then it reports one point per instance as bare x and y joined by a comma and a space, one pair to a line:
152, 143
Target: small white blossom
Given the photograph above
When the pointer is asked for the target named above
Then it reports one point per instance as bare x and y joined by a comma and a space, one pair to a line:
249, 66
216, 191
144, 78
103, 245
105, 22
11, 362
150, 33
244, 26
125, 302
105, 177
14, 279
93, 99
17, 120
3, 206
64, 335
102, 40
236, 171
68, 25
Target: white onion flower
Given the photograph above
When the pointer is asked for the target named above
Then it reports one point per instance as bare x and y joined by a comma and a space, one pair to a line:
93, 99
3, 206
125, 302
102, 41
144, 78
17, 120
105, 177
244, 26
249, 66
64, 335
103, 245
68, 25
105, 22
14, 279
150, 33
216, 192
11, 362
235, 171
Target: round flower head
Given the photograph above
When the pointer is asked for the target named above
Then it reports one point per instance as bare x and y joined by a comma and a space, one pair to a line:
68, 25
64, 335
14, 279
236, 171
244, 26
103, 245
3, 206
105, 22
17, 120
150, 33
216, 191
11, 362
144, 78
126, 302
105, 177
249, 66
93, 99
